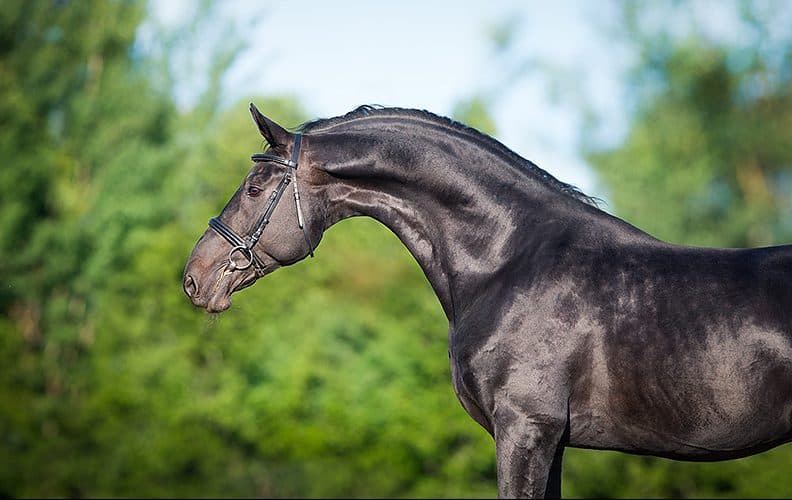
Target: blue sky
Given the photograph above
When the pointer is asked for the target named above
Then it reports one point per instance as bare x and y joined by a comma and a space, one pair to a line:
335, 56
430, 54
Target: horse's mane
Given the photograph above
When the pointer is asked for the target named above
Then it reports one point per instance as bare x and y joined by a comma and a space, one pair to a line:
370, 111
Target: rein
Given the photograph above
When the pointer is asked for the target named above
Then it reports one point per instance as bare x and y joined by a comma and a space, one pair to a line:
243, 247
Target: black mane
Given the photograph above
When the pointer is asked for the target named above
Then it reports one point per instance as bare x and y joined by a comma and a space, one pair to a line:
371, 111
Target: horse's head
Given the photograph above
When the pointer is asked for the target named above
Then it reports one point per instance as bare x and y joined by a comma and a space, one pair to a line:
271, 221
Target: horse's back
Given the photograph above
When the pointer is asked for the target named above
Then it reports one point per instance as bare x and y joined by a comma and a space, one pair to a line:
692, 352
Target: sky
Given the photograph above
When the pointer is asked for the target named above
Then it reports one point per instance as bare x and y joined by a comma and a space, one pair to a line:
335, 56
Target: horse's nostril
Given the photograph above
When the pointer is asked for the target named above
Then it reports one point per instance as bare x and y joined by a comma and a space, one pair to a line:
190, 286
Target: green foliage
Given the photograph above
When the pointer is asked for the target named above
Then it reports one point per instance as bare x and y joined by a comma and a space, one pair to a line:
474, 112
706, 162
329, 378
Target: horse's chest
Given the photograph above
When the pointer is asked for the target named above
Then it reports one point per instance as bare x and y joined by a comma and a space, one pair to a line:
468, 392
524, 369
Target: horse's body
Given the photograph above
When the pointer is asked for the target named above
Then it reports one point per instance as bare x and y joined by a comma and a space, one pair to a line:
567, 326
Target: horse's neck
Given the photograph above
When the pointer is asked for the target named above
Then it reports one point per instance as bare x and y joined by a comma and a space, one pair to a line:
463, 213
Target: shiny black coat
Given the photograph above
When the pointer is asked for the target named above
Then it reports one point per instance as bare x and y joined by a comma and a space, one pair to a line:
567, 326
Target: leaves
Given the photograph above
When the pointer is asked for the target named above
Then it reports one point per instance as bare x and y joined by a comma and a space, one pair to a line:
706, 162
329, 378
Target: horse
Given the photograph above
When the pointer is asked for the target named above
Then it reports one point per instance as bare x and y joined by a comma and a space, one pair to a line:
568, 327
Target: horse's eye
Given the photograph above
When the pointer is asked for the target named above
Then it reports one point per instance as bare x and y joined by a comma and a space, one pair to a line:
253, 191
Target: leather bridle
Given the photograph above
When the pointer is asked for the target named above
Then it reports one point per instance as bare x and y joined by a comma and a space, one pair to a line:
243, 247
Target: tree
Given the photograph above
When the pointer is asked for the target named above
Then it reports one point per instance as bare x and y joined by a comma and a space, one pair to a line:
706, 162
75, 115
111, 383
474, 112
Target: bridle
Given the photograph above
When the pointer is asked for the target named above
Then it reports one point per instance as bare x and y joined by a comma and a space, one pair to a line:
243, 247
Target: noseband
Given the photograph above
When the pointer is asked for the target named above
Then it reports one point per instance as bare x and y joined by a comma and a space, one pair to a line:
243, 247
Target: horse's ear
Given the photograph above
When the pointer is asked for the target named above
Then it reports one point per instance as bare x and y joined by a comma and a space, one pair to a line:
275, 135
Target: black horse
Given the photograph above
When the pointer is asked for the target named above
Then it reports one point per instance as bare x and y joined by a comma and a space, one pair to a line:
567, 326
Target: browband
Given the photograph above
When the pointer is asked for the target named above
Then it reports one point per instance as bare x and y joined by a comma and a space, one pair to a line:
291, 163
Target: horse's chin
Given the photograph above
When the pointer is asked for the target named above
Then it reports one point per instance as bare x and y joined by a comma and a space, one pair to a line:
219, 303
228, 285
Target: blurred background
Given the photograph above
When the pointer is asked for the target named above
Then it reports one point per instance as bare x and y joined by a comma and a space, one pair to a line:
124, 127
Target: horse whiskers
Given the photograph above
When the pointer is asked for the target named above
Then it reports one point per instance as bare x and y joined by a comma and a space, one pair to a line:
221, 272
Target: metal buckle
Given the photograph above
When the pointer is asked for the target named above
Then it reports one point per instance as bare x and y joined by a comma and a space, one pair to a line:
246, 253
